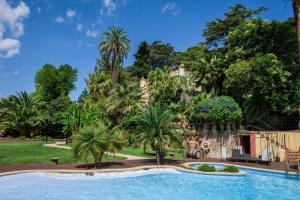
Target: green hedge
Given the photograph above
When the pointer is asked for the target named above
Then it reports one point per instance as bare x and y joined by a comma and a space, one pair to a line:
231, 169
206, 168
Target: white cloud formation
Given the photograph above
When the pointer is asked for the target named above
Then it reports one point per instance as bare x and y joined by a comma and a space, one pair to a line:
79, 27
90, 33
11, 19
109, 6
172, 8
9, 47
60, 19
71, 13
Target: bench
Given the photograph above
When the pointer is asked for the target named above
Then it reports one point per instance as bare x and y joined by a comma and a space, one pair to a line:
55, 160
249, 159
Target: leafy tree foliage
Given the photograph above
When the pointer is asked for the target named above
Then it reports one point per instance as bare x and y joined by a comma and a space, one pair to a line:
53, 82
163, 88
151, 57
260, 36
141, 66
261, 85
217, 31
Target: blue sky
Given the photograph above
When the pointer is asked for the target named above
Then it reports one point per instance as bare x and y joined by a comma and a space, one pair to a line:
36, 32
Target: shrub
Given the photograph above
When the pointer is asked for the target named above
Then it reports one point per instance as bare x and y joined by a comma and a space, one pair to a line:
221, 109
206, 168
231, 169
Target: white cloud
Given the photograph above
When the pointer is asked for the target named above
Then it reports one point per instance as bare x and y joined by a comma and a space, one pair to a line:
11, 19
172, 8
9, 47
60, 19
79, 27
92, 33
71, 13
109, 6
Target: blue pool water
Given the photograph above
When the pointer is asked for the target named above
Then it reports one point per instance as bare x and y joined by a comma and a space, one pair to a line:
156, 184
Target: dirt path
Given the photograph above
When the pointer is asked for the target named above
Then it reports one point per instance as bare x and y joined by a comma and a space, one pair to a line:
62, 146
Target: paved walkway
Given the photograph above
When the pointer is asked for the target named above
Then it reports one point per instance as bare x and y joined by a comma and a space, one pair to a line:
63, 146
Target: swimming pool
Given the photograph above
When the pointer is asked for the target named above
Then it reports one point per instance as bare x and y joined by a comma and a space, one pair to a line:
158, 184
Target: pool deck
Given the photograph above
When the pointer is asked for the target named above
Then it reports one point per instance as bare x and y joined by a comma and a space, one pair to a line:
127, 164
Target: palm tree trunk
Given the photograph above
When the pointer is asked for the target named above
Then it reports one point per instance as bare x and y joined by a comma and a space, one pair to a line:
296, 8
114, 74
159, 157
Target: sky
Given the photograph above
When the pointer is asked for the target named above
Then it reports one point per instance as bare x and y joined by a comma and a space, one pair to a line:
36, 32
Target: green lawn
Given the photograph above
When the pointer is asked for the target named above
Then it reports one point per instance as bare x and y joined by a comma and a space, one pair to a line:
13, 153
150, 154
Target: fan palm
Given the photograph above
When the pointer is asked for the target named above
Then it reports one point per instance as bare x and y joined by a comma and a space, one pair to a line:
122, 101
155, 128
96, 141
114, 47
22, 112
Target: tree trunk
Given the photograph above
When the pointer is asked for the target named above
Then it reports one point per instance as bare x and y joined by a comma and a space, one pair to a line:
159, 157
114, 74
296, 8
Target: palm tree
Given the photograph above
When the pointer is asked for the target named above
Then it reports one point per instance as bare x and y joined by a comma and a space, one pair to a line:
114, 47
122, 101
296, 8
22, 113
96, 140
155, 128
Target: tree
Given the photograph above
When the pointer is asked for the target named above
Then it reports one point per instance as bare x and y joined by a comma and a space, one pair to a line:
99, 84
261, 36
261, 86
122, 101
162, 55
217, 31
114, 47
53, 82
22, 113
155, 128
96, 141
163, 88
296, 8
141, 66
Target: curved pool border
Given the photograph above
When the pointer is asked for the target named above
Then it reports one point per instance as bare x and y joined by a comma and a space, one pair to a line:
241, 167
145, 167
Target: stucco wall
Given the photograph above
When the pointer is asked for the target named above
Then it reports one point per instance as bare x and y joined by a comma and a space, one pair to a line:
276, 143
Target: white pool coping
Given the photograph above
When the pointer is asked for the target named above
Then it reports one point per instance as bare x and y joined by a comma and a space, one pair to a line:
145, 167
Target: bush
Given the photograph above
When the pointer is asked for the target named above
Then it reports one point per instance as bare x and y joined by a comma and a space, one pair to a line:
231, 169
206, 168
221, 109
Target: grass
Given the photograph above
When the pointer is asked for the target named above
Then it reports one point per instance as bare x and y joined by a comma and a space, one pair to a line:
15, 153
149, 153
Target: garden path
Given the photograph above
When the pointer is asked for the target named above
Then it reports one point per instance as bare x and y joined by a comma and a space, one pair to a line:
63, 146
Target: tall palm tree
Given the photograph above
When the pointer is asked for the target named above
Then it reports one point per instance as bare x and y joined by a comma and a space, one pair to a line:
114, 47
23, 113
296, 8
96, 141
155, 127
